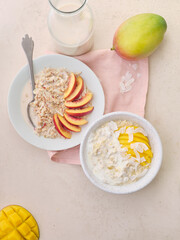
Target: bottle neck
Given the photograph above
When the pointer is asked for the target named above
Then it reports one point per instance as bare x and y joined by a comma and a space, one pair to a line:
68, 7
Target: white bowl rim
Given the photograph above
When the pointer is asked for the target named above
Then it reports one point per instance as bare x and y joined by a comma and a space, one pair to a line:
125, 189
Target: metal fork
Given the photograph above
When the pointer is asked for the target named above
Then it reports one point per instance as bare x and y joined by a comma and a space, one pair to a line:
28, 46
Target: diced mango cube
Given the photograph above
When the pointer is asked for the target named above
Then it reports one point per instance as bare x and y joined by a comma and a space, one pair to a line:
5, 226
31, 221
15, 219
24, 214
15, 236
8, 211
2, 215
35, 230
24, 229
31, 236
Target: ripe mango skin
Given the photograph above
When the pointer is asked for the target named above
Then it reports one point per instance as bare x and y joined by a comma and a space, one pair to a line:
139, 36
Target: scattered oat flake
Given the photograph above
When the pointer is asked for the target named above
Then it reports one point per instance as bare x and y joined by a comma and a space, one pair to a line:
140, 130
128, 88
129, 82
122, 130
123, 78
126, 82
128, 75
143, 159
122, 87
137, 155
130, 131
138, 75
135, 66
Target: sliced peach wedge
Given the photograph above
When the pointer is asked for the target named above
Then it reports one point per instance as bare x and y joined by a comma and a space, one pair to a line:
68, 125
80, 102
60, 128
71, 85
79, 112
75, 121
78, 90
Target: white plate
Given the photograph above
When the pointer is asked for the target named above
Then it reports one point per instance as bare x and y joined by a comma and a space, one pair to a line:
14, 101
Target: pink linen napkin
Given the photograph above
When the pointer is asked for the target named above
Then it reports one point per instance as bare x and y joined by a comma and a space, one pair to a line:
125, 85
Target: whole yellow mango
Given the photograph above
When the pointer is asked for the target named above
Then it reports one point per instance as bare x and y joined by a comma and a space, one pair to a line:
139, 36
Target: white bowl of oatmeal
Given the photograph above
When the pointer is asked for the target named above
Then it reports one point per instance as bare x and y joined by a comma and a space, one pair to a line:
51, 72
121, 153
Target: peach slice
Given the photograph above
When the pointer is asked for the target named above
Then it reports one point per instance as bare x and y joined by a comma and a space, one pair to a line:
68, 125
80, 102
60, 128
78, 90
80, 111
75, 121
71, 85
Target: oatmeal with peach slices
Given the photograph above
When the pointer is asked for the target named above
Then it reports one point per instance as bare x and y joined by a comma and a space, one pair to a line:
61, 101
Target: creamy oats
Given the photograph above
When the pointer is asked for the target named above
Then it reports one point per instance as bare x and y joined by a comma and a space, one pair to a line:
119, 152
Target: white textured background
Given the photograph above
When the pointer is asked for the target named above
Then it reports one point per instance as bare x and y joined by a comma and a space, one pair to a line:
65, 204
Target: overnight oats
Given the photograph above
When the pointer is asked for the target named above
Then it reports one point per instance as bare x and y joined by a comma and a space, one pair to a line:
119, 152
62, 103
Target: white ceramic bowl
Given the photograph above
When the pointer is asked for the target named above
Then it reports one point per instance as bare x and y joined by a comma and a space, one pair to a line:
25, 129
155, 143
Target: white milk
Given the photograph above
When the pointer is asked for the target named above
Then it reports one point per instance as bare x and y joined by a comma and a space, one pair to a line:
72, 32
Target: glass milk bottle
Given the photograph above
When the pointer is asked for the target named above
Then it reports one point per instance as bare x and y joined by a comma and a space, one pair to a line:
70, 23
